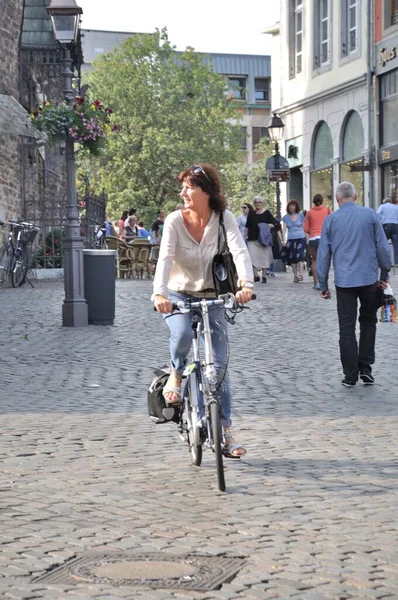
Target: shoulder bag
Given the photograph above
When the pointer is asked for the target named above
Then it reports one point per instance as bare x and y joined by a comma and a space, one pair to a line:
225, 276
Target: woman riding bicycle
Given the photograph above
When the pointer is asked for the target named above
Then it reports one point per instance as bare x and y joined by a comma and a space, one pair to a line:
184, 270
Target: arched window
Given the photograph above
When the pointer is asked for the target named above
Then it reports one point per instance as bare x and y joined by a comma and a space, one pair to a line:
353, 137
351, 153
322, 153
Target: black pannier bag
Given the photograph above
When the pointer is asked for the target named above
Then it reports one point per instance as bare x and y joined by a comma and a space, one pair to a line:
225, 277
159, 411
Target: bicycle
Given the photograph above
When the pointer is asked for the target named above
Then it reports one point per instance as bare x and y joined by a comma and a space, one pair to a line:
199, 419
16, 253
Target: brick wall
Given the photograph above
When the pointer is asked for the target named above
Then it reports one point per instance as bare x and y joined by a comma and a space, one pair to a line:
11, 12
378, 16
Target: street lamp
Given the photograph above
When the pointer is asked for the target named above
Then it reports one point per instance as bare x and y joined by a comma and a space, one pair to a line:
65, 17
275, 132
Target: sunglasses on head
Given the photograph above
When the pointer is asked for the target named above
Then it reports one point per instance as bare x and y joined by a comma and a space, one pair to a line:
198, 169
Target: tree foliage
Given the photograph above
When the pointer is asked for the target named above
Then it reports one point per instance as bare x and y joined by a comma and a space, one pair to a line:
172, 111
243, 181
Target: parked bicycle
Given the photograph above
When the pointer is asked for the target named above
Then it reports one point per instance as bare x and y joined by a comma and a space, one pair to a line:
17, 253
199, 421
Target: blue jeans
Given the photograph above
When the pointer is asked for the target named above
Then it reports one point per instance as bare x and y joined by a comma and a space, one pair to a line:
181, 335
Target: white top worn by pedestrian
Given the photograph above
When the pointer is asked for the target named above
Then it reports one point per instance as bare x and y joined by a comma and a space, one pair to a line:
186, 265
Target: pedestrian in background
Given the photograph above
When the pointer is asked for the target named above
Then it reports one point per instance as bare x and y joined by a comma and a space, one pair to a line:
294, 246
313, 227
388, 215
242, 218
132, 213
130, 231
142, 232
157, 227
122, 220
354, 237
261, 256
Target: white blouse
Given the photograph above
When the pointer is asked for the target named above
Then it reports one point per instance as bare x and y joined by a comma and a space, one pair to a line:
185, 265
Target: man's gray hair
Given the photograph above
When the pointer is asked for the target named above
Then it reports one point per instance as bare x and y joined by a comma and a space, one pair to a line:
345, 190
386, 200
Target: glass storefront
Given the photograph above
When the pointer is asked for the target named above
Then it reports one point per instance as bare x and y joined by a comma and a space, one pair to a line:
322, 154
353, 142
322, 183
390, 181
356, 178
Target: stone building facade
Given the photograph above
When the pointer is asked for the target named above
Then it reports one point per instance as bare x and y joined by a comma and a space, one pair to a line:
32, 178
13, 118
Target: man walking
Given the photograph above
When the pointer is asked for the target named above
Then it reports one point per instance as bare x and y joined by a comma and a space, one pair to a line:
355, 238
388, 215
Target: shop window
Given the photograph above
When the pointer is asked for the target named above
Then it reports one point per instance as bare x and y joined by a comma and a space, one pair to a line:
353, 140
322, 152
390, 181
322, 183
352, 147
389, 101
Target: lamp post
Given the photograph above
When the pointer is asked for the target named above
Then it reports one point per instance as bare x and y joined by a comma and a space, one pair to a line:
275, 131
65, 17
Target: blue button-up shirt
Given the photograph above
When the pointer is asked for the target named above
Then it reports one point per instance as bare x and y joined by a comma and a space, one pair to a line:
355, 238
388, 213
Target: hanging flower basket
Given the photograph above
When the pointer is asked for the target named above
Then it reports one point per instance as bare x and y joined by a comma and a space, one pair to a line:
87, 123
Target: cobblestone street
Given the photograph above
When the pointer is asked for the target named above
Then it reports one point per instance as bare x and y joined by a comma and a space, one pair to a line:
313, 505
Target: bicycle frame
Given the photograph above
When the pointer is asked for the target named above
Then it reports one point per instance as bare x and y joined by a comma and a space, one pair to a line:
15, 245
203, 373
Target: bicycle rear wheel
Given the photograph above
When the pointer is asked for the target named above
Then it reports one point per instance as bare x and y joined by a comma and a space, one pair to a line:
19, 272
215, 422
4, 266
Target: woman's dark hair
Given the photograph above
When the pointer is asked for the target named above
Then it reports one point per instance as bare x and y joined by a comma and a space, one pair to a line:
207, 178
249, 206
293, 203
124, 216
318, 199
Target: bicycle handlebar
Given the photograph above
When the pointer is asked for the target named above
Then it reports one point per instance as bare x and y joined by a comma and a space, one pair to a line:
20, 224
185, 305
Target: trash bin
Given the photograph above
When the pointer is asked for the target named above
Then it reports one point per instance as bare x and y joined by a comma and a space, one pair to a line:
99, 285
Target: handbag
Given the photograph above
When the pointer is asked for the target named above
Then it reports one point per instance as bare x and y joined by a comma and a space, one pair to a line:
225, 276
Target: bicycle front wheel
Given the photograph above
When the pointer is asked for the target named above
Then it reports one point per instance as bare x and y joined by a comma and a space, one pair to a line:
215, 422
18, 274
195, 444
4, 266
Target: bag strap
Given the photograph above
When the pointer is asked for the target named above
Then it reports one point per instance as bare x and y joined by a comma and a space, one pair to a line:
225, 248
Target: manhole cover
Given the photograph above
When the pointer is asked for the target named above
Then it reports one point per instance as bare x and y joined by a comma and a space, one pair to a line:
192, 571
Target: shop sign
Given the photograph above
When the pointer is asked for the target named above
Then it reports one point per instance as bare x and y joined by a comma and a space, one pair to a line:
278, 175
387, 54
388, 154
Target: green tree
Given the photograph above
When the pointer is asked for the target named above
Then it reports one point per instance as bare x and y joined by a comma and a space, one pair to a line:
172, 111
243, 181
